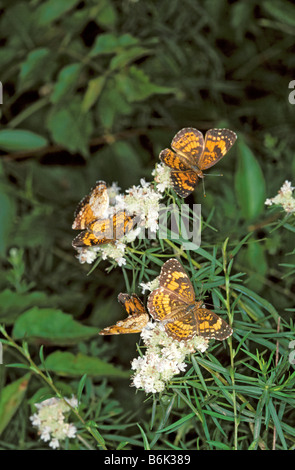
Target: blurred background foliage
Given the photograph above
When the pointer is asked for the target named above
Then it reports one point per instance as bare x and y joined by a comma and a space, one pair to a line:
94, 90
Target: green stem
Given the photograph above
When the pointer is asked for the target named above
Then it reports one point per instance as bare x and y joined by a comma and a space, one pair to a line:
50, 383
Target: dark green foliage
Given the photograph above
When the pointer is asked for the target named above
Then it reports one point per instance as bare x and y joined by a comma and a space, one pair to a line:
95, 90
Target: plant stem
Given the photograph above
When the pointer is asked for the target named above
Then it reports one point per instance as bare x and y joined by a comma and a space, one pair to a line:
50, 383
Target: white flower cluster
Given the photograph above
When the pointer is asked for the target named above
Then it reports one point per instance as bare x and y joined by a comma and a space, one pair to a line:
151, 285
142, 201
164, 358
162, 177
284, 198
51, 422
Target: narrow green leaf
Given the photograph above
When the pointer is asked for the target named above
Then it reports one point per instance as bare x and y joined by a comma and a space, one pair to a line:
145, 439
257, 298
174, 426
92, 93
219, 445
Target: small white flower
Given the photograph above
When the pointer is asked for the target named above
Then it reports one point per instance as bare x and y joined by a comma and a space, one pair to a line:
114, 251
284, 198
164, 358
142, 201
54, 443
162, 176
150, 286
86, 255
50, 420
45, 434
113, 192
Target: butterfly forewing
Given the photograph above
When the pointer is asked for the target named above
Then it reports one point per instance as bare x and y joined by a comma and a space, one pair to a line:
217, 144
93, 206
174, 278
189, 143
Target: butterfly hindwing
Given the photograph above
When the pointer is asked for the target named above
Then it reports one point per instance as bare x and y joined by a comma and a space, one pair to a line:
136, 320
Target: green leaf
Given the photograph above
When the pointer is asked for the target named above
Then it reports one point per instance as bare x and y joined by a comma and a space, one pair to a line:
125, 57
135, 85
107, 14
219, 445
67, 364
15, 140
109, 43
11, 398
257, 298
93, 92
52, 10
66, 82
146, 444
37, 66
70, 128
50, 325
249, 183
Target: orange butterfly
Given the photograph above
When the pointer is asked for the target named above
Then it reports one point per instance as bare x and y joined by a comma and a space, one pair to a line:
137, 317
192, 154
174, 304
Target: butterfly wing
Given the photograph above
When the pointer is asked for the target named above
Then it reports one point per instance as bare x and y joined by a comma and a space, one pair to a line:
184, 182
137, 317
189, 143
175, 279
93, 206
174, 295
217, 144
209, 324
132, 303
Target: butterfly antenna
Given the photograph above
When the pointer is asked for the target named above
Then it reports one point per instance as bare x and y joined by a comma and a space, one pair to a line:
210, 174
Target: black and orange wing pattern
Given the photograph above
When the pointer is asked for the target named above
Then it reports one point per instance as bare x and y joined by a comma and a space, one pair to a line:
217, 143
92, 207
174, 304
192, 154
104, 231
136, 320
